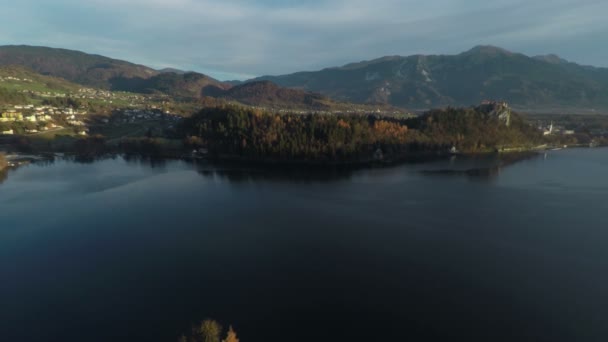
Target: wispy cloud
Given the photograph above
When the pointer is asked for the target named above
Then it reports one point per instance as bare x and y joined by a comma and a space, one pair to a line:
241, 38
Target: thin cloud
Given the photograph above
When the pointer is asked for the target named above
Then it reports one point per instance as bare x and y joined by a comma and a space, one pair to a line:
239, 38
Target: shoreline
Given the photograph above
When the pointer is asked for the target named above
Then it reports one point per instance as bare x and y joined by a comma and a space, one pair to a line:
17, 159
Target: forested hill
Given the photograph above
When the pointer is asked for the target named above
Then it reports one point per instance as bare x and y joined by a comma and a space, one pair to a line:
484, 72
254, 134
185, 85
79, 67
106, 73
103, 72
270, 96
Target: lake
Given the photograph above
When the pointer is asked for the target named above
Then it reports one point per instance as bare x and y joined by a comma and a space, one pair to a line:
449, 250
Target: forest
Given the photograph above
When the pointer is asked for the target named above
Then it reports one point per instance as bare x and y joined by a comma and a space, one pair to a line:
254, 134
476, 129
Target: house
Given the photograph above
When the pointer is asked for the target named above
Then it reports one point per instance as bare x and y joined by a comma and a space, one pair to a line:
76, 123
549, 131
11, 116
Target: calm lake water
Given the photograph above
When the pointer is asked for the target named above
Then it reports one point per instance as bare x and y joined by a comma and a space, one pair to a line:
450, 250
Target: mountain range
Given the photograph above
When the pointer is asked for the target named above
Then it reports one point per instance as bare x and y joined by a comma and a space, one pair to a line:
540, 83
74, 67
484, 72
103, 72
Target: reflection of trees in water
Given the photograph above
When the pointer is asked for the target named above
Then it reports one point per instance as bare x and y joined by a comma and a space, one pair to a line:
87, 159
495, 162
240, 172
153, 162
244, 173
3, 175
482, 174
129, 158
45, 162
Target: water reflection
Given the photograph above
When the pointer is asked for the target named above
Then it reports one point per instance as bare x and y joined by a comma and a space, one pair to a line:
152, 162
482, 174
3, 175
295, 174
474, 167
138, 160
481, 167
386, 247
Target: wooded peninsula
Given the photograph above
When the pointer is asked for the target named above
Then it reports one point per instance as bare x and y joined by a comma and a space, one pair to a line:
238, 132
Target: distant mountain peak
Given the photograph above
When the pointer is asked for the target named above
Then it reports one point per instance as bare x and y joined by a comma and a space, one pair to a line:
551, 58
488, 50
485, 71
173, 70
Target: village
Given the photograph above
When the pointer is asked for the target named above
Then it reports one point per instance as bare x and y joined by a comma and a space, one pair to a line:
35, 119
30, 119
565, 127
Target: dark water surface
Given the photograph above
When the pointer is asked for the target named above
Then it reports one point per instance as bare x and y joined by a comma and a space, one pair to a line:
443, 251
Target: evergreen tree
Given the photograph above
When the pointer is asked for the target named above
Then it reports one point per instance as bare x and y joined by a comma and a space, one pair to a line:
231, 336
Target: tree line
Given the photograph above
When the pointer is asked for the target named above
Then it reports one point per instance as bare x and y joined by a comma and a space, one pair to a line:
209, 331
476, 129
246, 132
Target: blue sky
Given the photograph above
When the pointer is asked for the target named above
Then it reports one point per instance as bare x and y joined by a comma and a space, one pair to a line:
238, 39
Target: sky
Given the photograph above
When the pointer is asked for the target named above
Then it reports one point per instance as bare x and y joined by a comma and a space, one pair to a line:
240, 39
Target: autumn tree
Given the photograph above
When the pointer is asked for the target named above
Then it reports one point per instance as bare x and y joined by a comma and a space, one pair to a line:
231, 336
208, 331
243, 132
3, 162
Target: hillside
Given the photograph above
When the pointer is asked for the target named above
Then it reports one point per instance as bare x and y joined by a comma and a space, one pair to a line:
484, 72
18, 78
271, 96
268, 94
19, 85
79, 67
103, 72
187, 85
